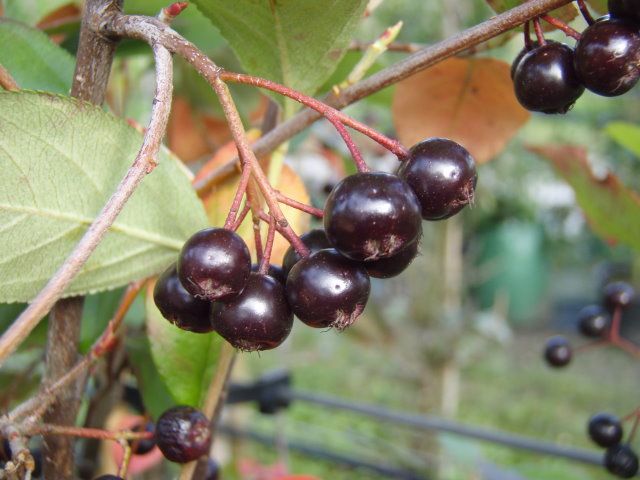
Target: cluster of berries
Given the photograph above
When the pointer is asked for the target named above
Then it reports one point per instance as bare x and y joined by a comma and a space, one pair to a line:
372, 227
602, 322
619, 458
594, 321
183, 434
549, 76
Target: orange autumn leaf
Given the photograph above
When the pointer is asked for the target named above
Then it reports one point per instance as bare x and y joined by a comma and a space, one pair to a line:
469, 100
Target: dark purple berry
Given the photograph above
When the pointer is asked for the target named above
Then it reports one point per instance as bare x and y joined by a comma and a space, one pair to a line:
443, 176
627, 9
522, 53
213, 470
372, 215
183, 434
545, 80
314, 240
214, 264
179, 306
557, 351
326, 289
257, 319
618, 295
607, 57
593, 321
621, 460
144, 445
392, 266
274, 271
108, 477
605, 429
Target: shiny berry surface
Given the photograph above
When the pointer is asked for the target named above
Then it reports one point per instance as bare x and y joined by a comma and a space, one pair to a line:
545, 80
621, 461
326, 289
274, 271
392, 266
557, 351
618, 295
628, 9
443, 176
145, 445
372, 215
607, 57
605, 429
257, 319
179, 306
314, 240
593, 321
183, 434
214, 264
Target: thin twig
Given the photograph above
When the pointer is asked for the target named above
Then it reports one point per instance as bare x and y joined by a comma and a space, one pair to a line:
316, 212
268, 248
214, 400
585, 12
143, 164
560, 25
7, 81
82, 432
539, 33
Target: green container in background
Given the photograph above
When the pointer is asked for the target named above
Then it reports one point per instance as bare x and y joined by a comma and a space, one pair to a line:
512, 267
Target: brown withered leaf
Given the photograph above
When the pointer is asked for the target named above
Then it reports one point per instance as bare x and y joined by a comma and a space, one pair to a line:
612, 209
469, 100
217, 205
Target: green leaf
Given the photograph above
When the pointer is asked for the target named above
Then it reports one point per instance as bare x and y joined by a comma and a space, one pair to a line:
186, 361
98, 309
61, 160
33, 60
155, 396
598, 197
287, 42
32, 11
626, 134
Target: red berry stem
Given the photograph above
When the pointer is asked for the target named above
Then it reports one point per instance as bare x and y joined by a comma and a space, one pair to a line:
591, 346
393, 146
634, 414
527, 35
268, 248
634, 428
361, 165
615, 339
84, 432
241, 216
237, 199
291, 237
585, 12
560, 25
539, 33
254, 204
316, 212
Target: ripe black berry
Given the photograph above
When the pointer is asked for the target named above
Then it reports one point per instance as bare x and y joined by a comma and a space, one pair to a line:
257, 319
621, 461
314, 240
443, 176
593, 321
214, 264
326, 289
629, 9
618, 295
392, 266
213, 470
274, 271
179, 306
372, 215
522, 53
605, 429
607, 57
545, 80
183, 434
145, 445
557, 351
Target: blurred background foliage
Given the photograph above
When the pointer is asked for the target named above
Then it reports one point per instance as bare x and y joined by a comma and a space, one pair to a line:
459, 334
